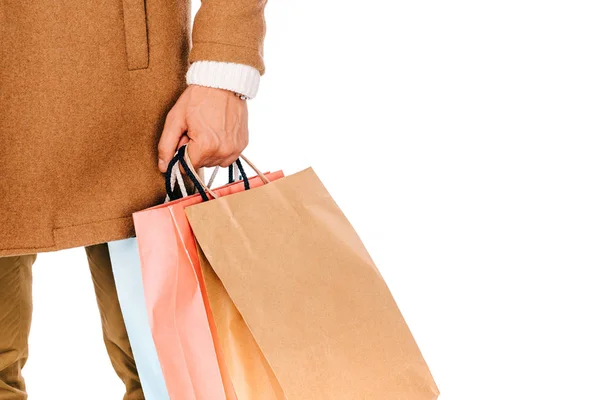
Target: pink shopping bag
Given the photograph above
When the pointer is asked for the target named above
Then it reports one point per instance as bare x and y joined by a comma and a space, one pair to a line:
178, 307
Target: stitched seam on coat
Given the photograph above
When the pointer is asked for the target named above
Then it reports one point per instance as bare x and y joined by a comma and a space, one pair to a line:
91, 222
137, 69
227, 44
54, 229
28, 248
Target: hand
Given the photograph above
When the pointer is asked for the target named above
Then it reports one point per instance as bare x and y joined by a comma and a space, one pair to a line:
214, 124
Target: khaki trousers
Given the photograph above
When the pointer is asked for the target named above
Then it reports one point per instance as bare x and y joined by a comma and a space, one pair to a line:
15, 321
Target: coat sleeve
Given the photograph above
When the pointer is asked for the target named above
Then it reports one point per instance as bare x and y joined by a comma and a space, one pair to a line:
230, 31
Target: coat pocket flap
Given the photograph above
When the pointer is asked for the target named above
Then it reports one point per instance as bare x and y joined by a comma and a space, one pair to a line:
136, 34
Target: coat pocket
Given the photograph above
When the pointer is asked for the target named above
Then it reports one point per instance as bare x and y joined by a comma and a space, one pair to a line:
136, 34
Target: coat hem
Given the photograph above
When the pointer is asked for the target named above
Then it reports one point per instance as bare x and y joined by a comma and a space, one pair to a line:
81, 235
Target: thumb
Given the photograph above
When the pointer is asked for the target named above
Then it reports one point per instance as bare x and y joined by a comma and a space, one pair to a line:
173, 131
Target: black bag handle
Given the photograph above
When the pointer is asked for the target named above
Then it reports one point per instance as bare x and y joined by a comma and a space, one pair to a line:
168, 175
231, 177
180, 156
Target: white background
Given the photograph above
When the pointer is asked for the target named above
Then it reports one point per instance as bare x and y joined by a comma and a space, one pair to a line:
461, 139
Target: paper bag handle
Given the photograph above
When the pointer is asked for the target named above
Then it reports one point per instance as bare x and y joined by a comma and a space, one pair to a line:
172, 177
183, 157
187, 165
173, 172
189, 169
233, 174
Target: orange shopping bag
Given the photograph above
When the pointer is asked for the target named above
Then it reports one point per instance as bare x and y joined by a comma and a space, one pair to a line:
193, 362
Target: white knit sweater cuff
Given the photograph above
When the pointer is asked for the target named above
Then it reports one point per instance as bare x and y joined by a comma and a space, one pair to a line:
238, 78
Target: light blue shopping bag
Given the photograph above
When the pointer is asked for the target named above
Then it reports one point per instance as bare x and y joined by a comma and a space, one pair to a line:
130, 289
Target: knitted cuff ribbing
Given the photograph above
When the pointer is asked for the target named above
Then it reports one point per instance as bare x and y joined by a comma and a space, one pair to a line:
238, 78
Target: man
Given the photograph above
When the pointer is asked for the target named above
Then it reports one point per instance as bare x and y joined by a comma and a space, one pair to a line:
92, 98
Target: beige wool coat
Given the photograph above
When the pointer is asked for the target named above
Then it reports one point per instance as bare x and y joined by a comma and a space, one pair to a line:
84, 90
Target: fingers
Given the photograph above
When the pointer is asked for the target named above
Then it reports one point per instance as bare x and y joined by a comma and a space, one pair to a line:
209, 150
230, 160
217, 140
214, 124
172, 137
184, 140
228, 155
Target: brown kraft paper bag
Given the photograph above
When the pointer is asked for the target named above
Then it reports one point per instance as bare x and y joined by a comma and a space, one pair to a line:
310, 293
250, 373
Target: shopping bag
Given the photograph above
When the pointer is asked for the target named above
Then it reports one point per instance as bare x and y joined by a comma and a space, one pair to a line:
125, 262
309, 292
251, 375
180, 316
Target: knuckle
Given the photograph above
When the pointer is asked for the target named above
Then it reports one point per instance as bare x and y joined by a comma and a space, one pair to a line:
234, 155
170, 117
244, 144
228, 161
162, 149
243, 141
203, 155
174, 119
225, 151
211, 147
